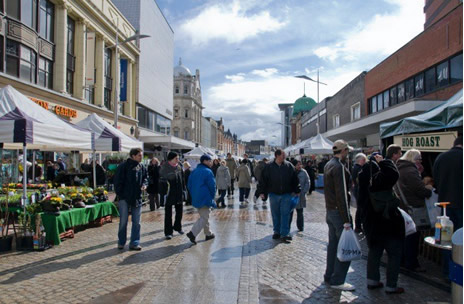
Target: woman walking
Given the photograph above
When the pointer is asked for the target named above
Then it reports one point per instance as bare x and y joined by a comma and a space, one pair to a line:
222, 183
215, 166
303, 177
153, 180
187, 171
244, 181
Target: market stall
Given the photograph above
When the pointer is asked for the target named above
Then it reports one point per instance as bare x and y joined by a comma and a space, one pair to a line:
193, 157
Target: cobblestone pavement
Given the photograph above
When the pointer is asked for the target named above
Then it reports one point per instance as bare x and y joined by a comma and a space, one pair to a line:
241, 265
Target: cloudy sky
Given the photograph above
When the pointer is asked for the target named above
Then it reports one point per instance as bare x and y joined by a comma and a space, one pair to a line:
248, 51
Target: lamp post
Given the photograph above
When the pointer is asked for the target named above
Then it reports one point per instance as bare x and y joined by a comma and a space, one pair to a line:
318, 82
118, 85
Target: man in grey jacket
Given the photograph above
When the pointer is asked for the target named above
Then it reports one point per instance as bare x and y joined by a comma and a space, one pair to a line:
336, 185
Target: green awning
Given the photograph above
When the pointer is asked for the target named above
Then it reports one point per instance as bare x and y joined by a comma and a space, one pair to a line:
445, 116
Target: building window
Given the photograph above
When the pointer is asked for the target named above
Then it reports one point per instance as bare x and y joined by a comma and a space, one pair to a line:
163, 125
400, 89
373, 104
29, 13
45, 73
456, 68
386, 99
177, 89
186, 114
430, 80
442, 74
12, 8
393, 96
186, 135
409, 89
27, 65
12, 58
70, 59
176, 132
176, 112
46, 17
379, 102
108, 79
336, 121
185, 89
89, 93
419, 85
356, 111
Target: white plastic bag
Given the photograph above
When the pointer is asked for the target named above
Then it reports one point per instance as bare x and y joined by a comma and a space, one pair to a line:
348, 246
409, 225
432, 210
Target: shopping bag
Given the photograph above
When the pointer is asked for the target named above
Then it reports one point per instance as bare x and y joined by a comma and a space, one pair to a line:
409, 225
432, 210
348, 246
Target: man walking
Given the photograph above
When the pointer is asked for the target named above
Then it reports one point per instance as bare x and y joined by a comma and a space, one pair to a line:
258, 170
360, 160
280, 181
232, 165
202, 187
173, 189
130, 180
336, 185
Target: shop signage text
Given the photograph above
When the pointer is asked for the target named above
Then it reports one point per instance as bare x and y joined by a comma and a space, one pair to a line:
63, 111
41, 103
432, 142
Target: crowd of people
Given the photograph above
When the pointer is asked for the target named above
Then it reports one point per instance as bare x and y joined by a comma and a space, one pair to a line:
380, 186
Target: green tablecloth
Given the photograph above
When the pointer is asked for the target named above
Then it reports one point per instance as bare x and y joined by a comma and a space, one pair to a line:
54, 225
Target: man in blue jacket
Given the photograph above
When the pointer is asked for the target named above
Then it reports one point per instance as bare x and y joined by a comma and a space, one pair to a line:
130, 180
202, 187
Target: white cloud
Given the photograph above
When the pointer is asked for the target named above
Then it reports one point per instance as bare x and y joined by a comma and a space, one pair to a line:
265, 73
230, 23
384, 34
236, 78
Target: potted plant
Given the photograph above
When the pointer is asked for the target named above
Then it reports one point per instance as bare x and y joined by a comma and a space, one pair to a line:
5, 238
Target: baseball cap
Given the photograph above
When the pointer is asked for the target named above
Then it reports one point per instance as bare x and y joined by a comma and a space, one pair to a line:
204, 157
340, 145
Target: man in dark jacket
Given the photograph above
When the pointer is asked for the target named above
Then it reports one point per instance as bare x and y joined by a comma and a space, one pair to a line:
153, 182
129, 182
258, 171
447, 174
360, 160
384, 227
280, 180
173, 190
336, 185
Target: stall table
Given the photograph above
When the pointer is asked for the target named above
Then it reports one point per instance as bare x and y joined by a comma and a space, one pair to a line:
55, 225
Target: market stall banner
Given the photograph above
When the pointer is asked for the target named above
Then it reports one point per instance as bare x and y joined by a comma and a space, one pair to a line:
22, 121
427, 142
107, 137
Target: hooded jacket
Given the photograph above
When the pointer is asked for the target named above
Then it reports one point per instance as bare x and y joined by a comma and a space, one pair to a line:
202, 187
128, 181
222, 178
232, 165
244, 176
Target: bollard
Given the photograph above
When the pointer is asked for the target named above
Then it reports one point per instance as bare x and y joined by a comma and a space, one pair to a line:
455, 267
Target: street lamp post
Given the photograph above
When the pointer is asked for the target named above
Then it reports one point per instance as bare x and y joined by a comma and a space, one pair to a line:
118, 85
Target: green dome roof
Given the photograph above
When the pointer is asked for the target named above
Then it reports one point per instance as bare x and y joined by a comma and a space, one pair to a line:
303, 104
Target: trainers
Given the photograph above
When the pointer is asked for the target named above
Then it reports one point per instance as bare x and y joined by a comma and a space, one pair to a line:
210, 237
168, 237
344, 287
120, 246
136, 248
191, 237
276, 236
180, 232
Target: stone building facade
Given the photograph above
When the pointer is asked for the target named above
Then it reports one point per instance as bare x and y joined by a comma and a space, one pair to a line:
188, 106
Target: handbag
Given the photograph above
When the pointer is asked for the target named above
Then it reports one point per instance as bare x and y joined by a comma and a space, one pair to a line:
419, 215
383, 202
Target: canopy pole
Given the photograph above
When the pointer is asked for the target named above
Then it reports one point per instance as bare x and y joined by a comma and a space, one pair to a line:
24, 198
33, 167
94, 171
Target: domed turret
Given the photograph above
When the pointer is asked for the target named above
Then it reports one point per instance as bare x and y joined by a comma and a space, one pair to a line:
303, 104
181, 70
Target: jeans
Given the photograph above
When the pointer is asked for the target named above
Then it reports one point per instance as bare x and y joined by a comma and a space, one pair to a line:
335, 272
299, 219
394, 248
168, 228
154, 201
280, 211
202, 222
136, 213
222, 194
230, 190
243, 194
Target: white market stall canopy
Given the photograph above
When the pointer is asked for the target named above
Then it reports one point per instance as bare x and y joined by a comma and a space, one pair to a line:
22, 121
315, 145
107, 137
199, 151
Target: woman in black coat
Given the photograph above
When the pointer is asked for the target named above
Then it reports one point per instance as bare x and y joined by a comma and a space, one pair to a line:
187, 171
384, 227
215, 166
153, 181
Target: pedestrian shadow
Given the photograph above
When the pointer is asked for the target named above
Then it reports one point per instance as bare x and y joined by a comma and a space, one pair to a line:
154, 254
323, 294
253, 247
